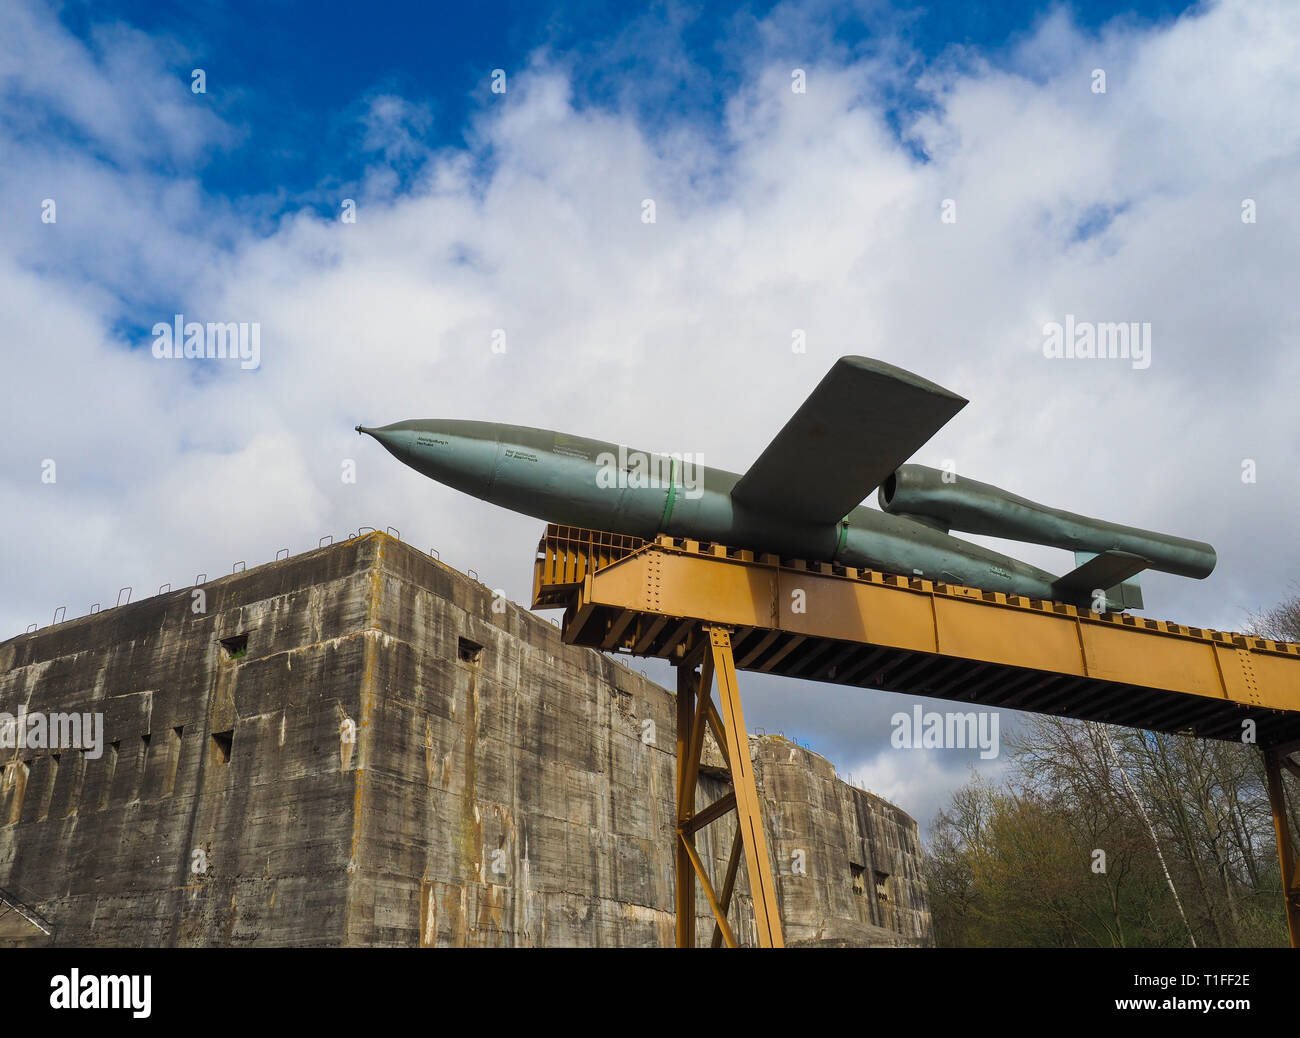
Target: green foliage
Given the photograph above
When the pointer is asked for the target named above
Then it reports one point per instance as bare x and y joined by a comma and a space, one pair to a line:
1021, 864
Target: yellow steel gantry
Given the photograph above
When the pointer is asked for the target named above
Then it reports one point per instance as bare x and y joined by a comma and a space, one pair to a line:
723, 609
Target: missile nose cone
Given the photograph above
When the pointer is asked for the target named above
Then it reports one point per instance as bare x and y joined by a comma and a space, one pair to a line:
398, 439
462, 455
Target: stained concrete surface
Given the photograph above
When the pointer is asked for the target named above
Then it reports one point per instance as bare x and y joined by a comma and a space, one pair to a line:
362, 746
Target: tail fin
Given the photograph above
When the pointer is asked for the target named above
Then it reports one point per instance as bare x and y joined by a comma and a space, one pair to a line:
1114, 572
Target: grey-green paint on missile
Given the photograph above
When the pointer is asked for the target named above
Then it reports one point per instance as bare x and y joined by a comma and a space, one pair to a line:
789, 505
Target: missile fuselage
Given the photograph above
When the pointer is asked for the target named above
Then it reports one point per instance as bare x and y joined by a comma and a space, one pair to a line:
567, 479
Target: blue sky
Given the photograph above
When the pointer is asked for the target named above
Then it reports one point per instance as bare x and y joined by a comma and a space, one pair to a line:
818, 212
292, 76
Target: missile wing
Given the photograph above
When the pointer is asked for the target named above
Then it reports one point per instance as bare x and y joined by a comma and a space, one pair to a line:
864, 419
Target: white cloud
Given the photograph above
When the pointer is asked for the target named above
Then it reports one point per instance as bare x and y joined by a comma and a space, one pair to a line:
920, 781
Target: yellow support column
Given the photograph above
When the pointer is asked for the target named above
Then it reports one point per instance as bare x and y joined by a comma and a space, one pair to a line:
684, 871
762, 885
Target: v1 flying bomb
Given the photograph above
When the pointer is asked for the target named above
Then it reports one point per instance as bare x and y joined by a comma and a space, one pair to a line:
801, 498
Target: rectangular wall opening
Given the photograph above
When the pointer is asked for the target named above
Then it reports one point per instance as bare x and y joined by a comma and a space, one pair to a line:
858, 874
106, 791
76, 785
18, 785
468, 651
47, 795
173, 760
221, 744
235, 646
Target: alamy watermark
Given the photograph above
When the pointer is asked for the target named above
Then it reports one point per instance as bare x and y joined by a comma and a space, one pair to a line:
58, 731
1110, 340
97, 991
638, 470
216, 340
931, 730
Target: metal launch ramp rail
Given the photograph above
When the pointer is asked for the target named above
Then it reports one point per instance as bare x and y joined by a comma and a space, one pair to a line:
724, 609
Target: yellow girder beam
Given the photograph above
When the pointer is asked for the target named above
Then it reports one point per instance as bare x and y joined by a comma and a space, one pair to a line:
673, 581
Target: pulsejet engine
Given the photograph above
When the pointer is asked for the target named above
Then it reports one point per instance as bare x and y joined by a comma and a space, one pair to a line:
946, 502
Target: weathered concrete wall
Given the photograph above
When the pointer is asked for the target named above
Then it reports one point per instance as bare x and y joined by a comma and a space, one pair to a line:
410, 761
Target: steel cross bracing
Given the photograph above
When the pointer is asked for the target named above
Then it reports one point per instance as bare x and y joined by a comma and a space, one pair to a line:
695, 713
726, 609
